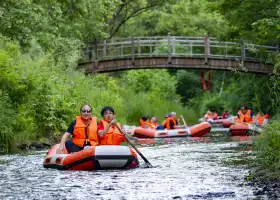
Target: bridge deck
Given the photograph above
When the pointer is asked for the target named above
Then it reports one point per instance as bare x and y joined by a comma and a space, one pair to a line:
176, 52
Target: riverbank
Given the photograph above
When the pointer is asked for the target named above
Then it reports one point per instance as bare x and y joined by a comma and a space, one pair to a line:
40, 144
268, 187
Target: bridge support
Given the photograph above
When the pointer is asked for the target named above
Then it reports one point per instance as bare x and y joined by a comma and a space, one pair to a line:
169, 49
132, 51
206, 48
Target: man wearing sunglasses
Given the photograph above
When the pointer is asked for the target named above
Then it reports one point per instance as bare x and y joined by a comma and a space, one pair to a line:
83, 131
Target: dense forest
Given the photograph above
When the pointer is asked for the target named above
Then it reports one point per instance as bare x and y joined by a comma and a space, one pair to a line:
41, 89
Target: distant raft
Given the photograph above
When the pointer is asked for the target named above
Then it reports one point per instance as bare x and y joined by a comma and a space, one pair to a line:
243, 129
225, 123
93, 158
194, 131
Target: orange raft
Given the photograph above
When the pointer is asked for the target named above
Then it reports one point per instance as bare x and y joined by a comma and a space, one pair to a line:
226, 123
243, 129
93, 158
194, 131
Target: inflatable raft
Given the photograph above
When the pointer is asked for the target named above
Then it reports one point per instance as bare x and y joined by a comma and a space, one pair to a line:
93, 158
194, 131
225, 123
243, 129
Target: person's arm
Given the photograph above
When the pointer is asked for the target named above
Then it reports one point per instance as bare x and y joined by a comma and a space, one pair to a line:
65, 136
105, 130
62, 142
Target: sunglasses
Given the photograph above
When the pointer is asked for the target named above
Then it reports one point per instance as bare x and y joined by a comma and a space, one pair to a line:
85, 111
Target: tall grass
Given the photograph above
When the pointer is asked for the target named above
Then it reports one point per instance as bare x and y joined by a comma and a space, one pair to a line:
267, 149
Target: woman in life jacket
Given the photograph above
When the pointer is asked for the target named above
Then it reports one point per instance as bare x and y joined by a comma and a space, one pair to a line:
107, 130
83, 131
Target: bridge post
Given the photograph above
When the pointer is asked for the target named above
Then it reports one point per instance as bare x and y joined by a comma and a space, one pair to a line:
139, 48
173, 46
150, 45
95, 49
104, 48
243, 51
89, 51
132, 50
206, 48
169, 48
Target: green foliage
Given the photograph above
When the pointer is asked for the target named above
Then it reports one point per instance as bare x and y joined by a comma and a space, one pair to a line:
267, 149
57, 26
253, 20
7, 120
188, 85
237, 89
186, 18
41, 98
158, 84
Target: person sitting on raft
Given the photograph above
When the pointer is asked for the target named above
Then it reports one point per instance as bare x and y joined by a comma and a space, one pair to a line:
165, 118
107, 130
214, 115
171, 121
244, 115
225, 115
155, 125
208, 116
83, 131
260, 119
145, 122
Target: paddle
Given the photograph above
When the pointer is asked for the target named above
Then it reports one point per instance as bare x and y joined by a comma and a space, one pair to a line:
185, 124
145, 159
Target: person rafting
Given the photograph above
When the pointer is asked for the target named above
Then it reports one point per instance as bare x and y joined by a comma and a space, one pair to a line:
165, 118
225, 115
171, 121
107, 130
83, 131
260, 119
244, 115
155, 125
208, 116
145, 122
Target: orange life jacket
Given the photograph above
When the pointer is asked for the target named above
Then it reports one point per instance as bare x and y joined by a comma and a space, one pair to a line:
260, 119
167, 123
145, 124
214, 115
245, 117
207, 116
113, 136
154, 125
85, 133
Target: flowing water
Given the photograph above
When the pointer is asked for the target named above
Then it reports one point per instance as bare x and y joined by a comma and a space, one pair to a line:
184, 168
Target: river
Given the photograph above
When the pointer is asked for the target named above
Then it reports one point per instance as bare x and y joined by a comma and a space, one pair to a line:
184, 168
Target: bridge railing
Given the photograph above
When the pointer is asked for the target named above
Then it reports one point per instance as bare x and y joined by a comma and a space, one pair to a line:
174, 46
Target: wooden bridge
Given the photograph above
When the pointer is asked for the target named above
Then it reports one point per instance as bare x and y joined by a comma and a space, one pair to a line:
176, 52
